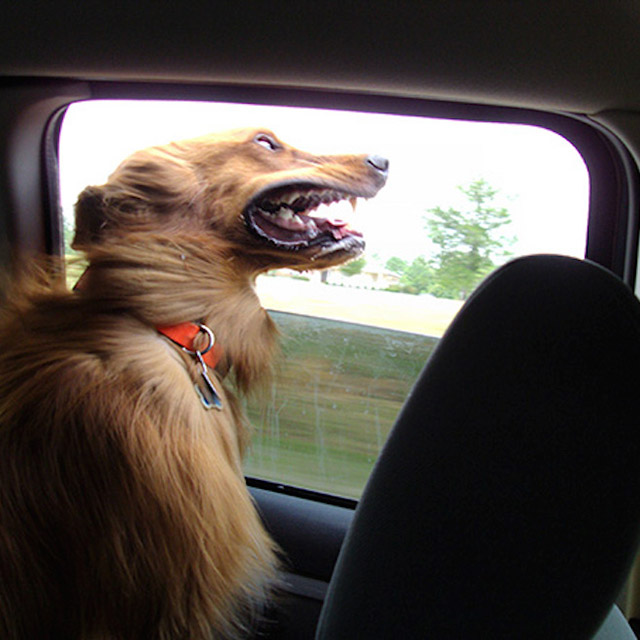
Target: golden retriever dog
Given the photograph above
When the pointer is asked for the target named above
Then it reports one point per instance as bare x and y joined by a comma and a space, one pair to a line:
124, 513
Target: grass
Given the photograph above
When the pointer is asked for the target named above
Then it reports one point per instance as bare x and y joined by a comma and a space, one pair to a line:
337, 394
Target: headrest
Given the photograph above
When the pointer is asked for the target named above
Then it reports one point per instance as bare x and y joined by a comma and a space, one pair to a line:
506, 502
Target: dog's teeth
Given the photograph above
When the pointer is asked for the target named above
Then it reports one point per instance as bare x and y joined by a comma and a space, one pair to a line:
337, 213
287, 219
290, 198
303, 211
327, 197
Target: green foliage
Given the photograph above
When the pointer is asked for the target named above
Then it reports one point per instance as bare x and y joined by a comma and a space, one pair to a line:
469, 241
354, 267
337, 393
69, 232
417, 277
396, 265
470, 244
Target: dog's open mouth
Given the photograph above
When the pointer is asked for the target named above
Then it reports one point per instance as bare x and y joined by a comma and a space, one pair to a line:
298, 217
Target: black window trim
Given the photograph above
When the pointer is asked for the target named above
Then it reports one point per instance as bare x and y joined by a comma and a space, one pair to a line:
301, 492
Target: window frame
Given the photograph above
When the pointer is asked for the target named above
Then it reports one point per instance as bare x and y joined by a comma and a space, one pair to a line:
613, 219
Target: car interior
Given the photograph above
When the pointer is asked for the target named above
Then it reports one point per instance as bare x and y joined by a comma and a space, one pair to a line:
504, 501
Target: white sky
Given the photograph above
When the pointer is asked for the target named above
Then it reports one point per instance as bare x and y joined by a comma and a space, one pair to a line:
542, 179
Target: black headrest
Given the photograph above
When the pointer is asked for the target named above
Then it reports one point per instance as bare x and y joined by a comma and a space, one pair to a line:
506, 502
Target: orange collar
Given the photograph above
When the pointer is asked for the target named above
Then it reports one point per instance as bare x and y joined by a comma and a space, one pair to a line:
184, 335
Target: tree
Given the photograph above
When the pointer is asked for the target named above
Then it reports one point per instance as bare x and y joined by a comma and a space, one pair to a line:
469, 241
354, 267
416, 277
396, 265
69, 232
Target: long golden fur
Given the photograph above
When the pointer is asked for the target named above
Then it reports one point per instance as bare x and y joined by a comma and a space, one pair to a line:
123, 509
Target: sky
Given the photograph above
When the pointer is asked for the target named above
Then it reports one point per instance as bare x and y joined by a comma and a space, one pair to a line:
541, 178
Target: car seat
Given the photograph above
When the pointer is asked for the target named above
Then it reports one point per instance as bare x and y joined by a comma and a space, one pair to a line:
506, 501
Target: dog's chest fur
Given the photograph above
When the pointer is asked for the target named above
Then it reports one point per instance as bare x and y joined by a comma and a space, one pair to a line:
103, 438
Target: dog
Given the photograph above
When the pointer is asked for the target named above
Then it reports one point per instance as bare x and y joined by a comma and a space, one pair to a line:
124, 513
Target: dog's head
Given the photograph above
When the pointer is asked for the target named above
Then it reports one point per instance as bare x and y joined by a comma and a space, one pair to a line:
274, 205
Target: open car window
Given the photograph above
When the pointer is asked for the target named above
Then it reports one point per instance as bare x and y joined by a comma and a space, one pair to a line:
462, 198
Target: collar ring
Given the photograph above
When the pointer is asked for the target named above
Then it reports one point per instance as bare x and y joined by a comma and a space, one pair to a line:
212, 341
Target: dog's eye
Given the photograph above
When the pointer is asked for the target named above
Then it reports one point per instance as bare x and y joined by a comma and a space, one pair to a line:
266, 141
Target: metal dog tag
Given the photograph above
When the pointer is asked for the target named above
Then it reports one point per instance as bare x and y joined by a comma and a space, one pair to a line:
207, 391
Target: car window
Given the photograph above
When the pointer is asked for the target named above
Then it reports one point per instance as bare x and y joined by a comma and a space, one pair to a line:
462, 198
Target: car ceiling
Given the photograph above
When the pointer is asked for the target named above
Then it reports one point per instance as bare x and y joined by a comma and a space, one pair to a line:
573, 56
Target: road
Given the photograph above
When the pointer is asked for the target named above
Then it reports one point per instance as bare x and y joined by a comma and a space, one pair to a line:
422, 314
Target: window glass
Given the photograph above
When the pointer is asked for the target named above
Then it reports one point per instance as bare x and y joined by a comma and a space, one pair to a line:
461, 199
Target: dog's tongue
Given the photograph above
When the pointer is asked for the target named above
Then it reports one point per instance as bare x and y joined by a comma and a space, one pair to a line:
286, 219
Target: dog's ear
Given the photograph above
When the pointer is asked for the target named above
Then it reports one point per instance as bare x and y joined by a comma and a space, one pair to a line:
148, 184
90, 217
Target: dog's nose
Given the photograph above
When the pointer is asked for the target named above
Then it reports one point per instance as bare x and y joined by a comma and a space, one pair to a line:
378, 163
